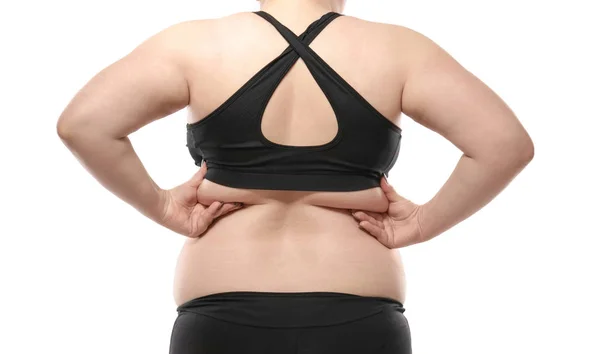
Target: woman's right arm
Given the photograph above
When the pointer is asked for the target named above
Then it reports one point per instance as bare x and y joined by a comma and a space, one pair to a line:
443, 96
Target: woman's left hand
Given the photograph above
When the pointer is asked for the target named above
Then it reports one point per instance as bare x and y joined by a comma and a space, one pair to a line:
398, 226
183, 212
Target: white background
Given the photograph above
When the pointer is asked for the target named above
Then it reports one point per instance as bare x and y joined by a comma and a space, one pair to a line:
83, 272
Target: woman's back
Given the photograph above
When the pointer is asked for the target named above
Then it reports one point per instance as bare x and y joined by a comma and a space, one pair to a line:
290, 240
227, 52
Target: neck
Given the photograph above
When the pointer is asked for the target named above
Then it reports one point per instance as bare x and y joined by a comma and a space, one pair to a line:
301, 8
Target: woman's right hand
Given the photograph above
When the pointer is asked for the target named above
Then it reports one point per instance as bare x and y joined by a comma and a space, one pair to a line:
399, 226
184, 214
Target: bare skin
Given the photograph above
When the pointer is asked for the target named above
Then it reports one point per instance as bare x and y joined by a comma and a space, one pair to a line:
291, 240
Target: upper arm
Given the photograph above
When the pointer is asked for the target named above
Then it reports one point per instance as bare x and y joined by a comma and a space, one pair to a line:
440, 94
146, 84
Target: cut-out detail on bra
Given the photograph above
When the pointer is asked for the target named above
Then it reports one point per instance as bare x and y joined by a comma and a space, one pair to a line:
298, 45
264, 108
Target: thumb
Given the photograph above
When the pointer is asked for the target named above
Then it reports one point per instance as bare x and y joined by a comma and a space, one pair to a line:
199, 175
389, 191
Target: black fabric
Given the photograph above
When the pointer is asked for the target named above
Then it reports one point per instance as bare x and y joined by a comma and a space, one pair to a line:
252, 322
237, 154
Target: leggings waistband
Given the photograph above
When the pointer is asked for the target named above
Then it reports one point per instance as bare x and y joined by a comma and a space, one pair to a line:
289, 309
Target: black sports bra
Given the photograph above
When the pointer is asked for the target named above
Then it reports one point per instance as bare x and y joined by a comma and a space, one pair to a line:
237, 154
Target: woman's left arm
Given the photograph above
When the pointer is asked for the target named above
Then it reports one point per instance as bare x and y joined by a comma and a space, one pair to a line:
147, 84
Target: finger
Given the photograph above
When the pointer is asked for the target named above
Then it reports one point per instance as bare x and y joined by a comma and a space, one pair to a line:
199, 175
363, 216
374, 215
389, 191
211, 212
372, 229
228, 207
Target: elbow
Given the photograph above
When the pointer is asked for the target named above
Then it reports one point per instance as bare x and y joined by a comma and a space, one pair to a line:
515, 153
528, 151
508, 153
523, 150
65, 129
69, 128
74, 133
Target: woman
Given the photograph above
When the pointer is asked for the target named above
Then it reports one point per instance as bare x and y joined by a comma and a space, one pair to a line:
294, 113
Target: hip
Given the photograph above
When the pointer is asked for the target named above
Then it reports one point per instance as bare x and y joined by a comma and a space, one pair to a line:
295, 322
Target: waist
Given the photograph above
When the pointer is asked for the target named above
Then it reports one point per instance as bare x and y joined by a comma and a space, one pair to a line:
287, 221
302, 250
287, 201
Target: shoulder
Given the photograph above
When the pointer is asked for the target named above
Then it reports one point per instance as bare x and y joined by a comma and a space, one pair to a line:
406, 47
178, 36
199, 31
187, 42
415, 50
410, 42
207, 34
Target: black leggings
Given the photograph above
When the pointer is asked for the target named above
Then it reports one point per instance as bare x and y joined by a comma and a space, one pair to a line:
252, 322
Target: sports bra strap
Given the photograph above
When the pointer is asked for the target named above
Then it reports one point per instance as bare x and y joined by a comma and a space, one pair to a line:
300, 43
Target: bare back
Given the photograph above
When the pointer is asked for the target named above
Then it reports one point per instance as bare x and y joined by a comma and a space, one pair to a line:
291, 240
